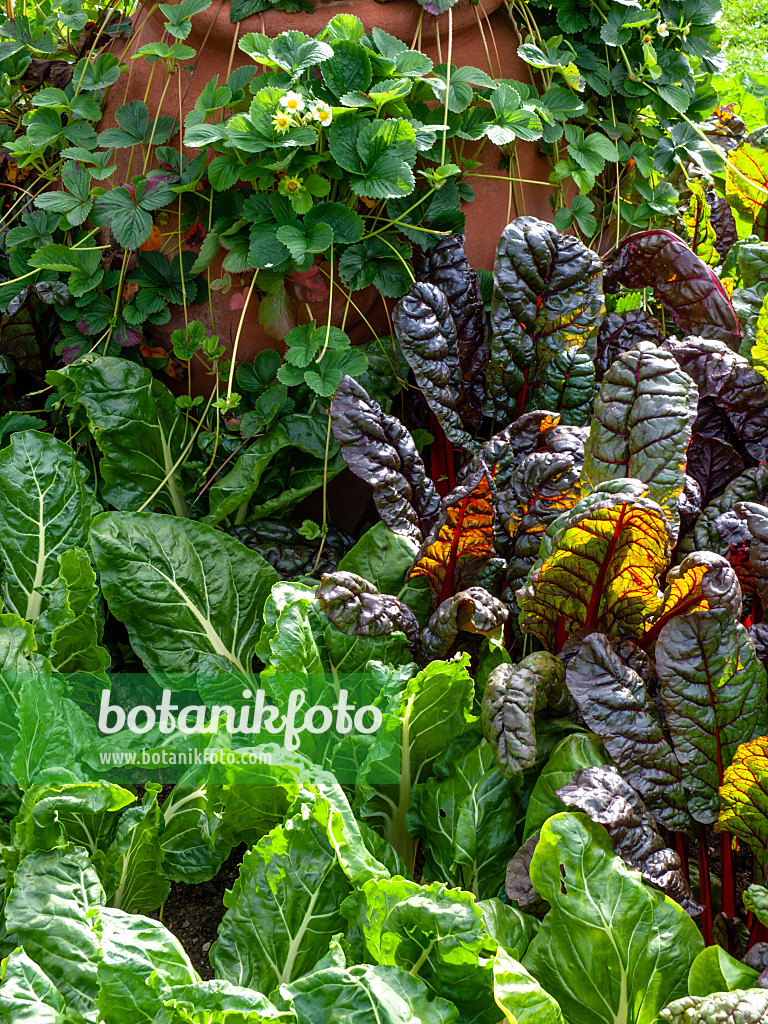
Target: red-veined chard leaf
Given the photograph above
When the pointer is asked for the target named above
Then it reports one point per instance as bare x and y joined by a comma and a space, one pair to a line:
427, 334
446, 266
513, 694
547, 297
734, 385
609, 682
461, 541
743, 799
685, 286
566, 384
620, 332
473, 610
379, 450
356, 607
598, 567
603, 794
642, 425
697, 219
713, 692
712, 463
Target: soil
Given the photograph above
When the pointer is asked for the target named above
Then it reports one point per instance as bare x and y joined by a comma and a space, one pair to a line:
193, 911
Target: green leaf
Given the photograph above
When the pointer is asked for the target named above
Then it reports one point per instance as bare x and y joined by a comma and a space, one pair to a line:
179, 15
520, 996
639, 944
190, 596
128, 221
283, 909
137, 426
349, 68
46, 507
70, 629
97, 73
27, 994
294, 52
47, 910
134, 879
76, 202
466, 820
432, 710
714, 970
386, 995
347, 226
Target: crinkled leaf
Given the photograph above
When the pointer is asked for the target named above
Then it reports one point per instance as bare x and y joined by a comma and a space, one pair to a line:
644, 413
735, 386
746, 1007
713, 463
446, 266
598, 568
698, 223
613, 699
379, 450
684, 285
577, 751
621, 332
743, 801
513, 694
566, 384
547, 297
607, 799
713, 691
473, 610
427, 335
357, 608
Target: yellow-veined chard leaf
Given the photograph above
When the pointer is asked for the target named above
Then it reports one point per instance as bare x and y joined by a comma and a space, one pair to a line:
759, 351
598, 568
746, 184
698, 222
744, 797
462, 539
644, 413
713, 692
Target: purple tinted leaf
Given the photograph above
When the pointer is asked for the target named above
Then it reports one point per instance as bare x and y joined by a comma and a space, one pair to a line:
684, 285
473, 610
446, 266
620, 332
735, 386
723, 222
614, 702
713, 464
427, 335
518, 885
713, 691
357, 608
379, 450
603, 794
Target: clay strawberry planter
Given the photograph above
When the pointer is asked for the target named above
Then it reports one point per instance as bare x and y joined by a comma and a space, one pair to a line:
483, 37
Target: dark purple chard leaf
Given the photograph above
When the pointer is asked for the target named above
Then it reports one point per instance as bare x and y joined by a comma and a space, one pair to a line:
621, 332
566, 384
518, 885
547, 297
745, 1006
735, 386
758, 634
722, 220
714, 529
756, 517
713, 464
356, 607
689, 503
713, 691
446, 266
473, 610
427, 335
378, 449
613, 700
686, 287
513, 695
505, 450
289, 552
609, 800
644, 412
712, 421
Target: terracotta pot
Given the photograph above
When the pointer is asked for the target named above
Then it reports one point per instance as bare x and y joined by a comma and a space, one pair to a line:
213, 36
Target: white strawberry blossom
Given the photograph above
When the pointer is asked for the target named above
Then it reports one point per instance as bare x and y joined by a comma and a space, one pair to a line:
322, 113
293, 101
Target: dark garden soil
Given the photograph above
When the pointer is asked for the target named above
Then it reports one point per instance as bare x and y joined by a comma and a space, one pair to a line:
193, 911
